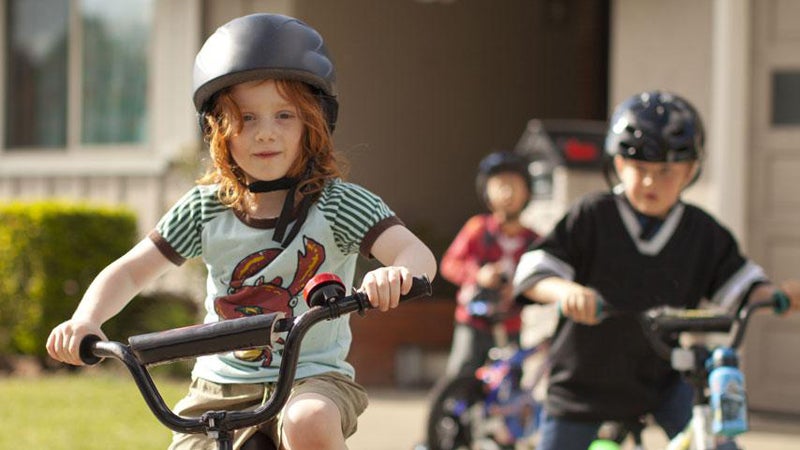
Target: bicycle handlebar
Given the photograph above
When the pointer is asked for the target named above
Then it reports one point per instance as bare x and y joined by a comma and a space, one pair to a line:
662, 320
698, 320
229, 335
197, 340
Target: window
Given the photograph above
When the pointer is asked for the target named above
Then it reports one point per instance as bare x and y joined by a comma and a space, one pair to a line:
786, 98
36, 70
76, 72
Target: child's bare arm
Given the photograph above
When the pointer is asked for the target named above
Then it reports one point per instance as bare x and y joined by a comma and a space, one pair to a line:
792, 290
789, 287
110, 291
403, 256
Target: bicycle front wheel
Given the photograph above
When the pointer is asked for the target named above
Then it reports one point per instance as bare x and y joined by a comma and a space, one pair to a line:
455, 411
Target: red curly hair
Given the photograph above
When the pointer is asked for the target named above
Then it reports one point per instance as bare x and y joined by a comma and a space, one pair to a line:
317, 163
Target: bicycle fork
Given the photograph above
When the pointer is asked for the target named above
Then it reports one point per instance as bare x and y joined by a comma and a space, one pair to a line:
698, 435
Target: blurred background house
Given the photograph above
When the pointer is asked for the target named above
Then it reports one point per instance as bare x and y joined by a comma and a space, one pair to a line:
96, 106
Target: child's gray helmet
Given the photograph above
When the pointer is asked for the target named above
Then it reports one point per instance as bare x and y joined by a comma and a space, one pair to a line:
656, 127
264, 46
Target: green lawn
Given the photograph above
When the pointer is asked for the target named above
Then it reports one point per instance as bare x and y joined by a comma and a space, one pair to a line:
85, 411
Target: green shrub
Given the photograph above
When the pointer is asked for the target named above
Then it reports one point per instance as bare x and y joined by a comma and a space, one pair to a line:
49, 253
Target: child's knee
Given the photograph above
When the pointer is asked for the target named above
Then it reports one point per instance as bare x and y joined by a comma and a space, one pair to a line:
311, 421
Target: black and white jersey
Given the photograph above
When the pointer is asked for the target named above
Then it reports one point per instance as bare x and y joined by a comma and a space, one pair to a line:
608, 370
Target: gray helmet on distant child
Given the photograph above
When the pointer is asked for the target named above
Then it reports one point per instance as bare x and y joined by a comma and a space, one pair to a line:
264, 46
656, 126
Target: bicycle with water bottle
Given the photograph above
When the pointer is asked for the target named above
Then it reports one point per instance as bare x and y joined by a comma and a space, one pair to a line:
719, 412
325, 295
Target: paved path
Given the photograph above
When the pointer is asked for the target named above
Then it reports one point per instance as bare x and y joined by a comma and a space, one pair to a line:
394, 421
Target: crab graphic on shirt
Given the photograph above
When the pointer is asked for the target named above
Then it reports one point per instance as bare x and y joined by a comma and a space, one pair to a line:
247, 296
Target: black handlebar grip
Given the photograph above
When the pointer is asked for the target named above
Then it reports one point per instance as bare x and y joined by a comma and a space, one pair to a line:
195, 340
685, 322
86, 350
420, 287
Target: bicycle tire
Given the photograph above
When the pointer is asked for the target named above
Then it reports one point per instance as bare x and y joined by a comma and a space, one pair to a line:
729, 445
450, 420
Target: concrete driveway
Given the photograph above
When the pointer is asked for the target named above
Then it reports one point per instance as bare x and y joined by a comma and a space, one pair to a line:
395, 421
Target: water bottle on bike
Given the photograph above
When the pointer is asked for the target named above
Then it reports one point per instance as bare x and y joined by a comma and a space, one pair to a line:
727, 393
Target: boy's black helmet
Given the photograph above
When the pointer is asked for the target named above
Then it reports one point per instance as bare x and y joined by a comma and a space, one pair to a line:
498, 162
656, 126
264, 46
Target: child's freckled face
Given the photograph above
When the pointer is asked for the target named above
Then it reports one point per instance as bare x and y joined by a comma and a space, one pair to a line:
271, 131
653, 188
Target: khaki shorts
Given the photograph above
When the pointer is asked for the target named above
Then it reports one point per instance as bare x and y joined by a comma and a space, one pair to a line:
349, 396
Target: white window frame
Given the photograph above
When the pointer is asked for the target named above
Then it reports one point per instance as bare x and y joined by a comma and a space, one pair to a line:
172, 126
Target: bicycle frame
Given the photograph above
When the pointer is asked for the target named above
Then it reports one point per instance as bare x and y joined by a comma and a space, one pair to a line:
697, 433
485, 409
487, 406
326, 296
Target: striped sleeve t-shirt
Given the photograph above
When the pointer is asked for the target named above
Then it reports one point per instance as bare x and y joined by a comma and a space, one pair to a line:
249, 273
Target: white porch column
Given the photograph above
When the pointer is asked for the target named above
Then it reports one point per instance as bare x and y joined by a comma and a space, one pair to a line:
729, 128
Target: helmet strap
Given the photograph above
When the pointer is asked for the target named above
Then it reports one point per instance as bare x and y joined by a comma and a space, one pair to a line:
260, 186
285, 218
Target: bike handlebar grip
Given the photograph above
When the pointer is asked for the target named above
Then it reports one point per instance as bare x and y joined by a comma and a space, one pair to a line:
686, 322
780, 301
86, 350
205, 339
420, 287
600, 308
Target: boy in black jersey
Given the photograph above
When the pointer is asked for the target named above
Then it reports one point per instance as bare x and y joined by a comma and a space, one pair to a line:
636, 247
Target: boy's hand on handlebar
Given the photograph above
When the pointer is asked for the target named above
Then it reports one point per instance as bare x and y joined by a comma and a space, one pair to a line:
384, 286
64, 341
579, 303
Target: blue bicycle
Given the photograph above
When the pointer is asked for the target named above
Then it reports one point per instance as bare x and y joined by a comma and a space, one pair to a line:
489, 409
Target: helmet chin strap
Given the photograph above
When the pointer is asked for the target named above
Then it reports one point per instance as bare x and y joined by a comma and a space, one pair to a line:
260, 186
285, 218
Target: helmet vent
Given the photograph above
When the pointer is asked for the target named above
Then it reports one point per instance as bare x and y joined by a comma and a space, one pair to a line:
649, 125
